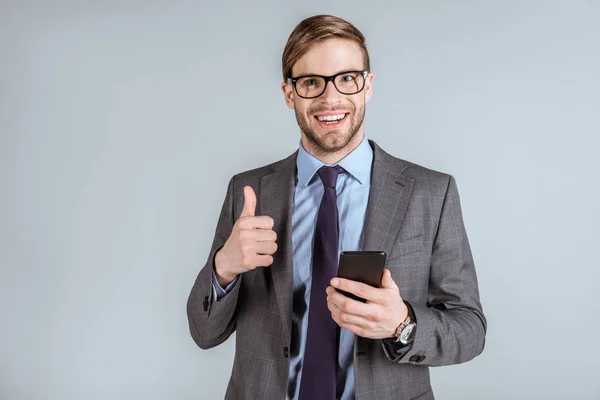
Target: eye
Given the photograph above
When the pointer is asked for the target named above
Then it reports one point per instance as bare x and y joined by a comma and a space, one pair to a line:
310, 82
348, 78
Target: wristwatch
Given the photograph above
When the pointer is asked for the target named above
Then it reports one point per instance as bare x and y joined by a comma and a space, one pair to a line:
405, 332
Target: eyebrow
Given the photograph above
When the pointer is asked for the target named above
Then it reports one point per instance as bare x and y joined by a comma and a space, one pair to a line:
340, 72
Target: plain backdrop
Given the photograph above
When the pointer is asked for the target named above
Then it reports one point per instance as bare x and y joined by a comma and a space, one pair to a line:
121, 123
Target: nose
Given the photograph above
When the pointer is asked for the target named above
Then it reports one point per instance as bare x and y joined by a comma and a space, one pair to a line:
331, 94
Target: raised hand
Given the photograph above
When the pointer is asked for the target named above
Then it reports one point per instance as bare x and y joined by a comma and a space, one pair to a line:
251, 244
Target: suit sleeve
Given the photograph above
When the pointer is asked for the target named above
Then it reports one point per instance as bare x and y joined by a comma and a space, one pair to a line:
211, 322
451, 327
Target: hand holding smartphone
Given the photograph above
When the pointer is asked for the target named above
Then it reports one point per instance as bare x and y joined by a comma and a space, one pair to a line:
362, 266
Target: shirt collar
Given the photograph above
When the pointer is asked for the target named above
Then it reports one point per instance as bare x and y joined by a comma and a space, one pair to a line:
358, 163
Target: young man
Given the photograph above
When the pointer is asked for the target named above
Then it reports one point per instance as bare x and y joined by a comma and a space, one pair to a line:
270, 274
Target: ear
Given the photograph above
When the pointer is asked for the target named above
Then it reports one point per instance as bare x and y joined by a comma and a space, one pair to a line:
288, 93
369, 86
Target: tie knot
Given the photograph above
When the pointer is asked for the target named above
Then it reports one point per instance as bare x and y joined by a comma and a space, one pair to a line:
329, 175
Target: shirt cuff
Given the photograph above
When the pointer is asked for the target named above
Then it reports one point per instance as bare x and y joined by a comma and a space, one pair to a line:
398, 349
218, 291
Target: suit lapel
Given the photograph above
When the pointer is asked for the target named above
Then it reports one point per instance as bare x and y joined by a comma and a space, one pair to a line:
277, 201
388, 201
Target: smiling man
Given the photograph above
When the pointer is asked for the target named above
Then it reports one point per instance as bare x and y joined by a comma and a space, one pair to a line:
271, 272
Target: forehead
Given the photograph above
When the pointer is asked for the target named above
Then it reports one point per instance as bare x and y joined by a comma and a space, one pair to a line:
330, 57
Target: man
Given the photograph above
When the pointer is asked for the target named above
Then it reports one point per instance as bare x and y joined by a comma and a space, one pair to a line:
271, 271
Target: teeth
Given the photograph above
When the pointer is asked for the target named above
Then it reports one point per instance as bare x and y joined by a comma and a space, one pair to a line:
331, 117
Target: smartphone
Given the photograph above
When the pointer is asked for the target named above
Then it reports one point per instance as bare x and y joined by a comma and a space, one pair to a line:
362, 266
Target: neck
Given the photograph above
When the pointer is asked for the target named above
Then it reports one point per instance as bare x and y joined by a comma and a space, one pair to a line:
333, 157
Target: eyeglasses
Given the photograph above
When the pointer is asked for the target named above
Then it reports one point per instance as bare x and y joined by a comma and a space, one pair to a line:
312, 86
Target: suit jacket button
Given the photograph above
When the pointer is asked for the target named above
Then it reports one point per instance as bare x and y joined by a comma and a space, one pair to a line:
414, 358
286, 352
421, 358
205, 303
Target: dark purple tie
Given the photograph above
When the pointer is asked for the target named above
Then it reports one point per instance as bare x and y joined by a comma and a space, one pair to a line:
320, 355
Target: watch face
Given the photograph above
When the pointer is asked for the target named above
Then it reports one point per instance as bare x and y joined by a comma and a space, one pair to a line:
407, 334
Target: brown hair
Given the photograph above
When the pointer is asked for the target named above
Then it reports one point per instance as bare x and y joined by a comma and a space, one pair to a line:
318, 29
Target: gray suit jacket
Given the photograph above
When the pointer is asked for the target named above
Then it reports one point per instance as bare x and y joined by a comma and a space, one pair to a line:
413, 215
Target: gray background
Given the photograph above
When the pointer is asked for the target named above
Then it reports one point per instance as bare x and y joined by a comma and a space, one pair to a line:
122, 122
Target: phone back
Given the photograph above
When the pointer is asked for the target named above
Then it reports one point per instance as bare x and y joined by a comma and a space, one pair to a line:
362, 266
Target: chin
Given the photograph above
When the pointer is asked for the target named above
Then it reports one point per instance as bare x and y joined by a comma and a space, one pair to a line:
334, 141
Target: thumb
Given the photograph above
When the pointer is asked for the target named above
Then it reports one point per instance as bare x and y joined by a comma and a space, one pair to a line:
386, 280
249, 202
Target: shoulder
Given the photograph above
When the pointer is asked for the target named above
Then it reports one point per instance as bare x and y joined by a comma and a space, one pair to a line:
411, 170
285, 163
253, 177
429, 187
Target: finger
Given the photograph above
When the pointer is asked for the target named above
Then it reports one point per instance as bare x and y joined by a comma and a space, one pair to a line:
387, 282
351, 306
265, 235
249, 202
335, 310
263, 260
261, 222
258, 235
356, 320
359, 289
265, 247
357, 330
336, 314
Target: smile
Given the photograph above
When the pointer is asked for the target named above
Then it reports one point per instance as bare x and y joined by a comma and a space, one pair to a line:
334, 120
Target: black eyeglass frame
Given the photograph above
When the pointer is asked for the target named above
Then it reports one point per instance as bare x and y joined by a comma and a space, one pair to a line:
327, 79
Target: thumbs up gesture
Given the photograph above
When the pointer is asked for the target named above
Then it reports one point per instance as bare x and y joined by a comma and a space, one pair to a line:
251, 244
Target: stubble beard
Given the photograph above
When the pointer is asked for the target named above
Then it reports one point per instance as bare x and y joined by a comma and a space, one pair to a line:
332, 141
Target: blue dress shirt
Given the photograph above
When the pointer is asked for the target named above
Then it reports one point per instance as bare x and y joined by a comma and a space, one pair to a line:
352, 190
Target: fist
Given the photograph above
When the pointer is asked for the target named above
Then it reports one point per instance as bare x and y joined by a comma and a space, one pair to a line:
251, 244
